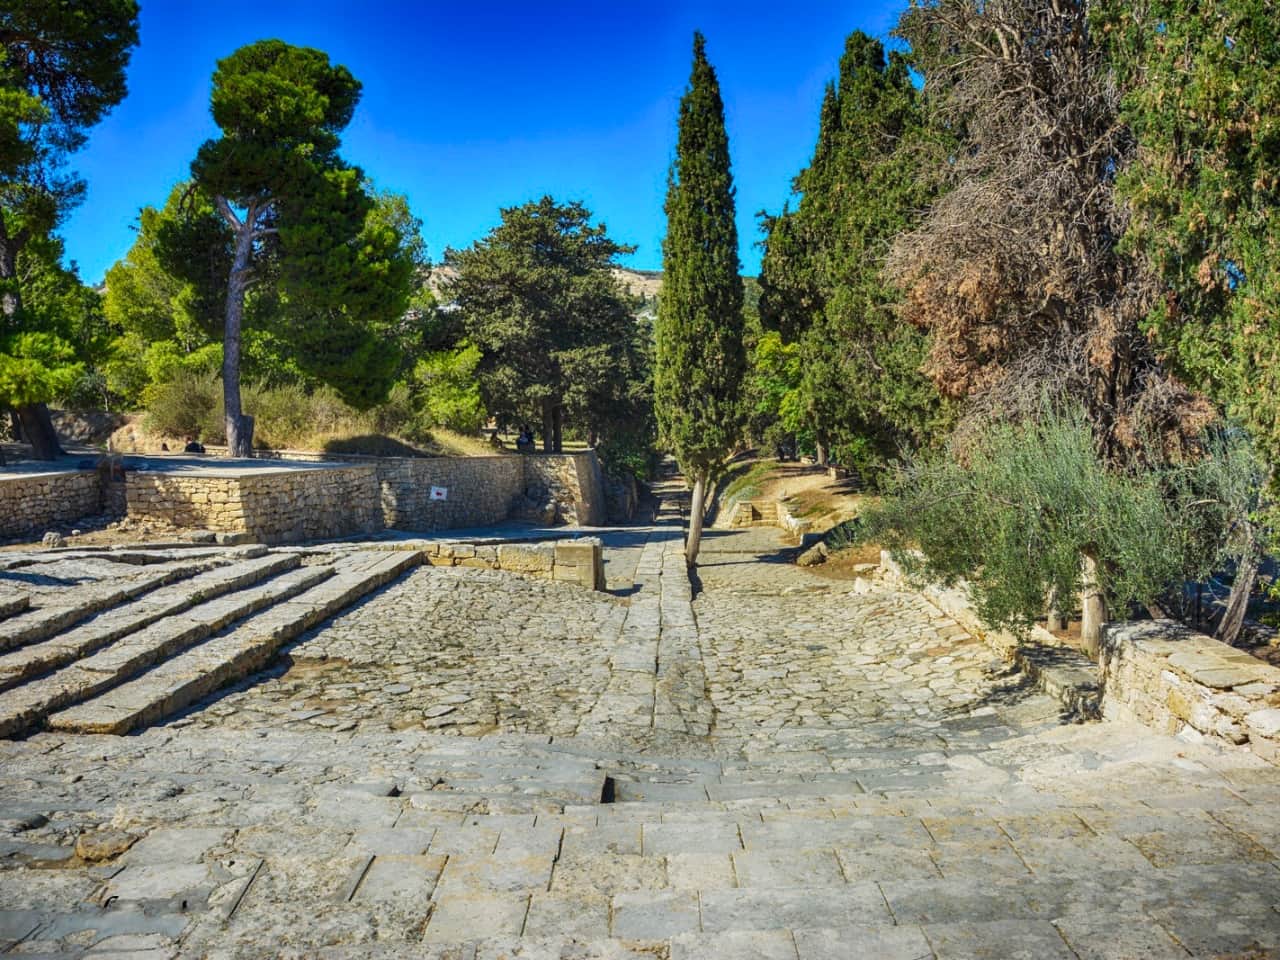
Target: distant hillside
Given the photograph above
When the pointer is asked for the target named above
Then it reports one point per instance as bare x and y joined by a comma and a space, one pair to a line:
638, 283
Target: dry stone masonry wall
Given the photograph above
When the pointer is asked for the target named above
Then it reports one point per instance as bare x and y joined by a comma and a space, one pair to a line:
30, 503
278, 504
274, 506
574, 482
1169, 677
477, 491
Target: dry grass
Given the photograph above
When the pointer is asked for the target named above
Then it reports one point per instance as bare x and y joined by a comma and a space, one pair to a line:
133, 437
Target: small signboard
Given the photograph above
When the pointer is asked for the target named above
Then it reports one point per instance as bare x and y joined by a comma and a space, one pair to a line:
439, 493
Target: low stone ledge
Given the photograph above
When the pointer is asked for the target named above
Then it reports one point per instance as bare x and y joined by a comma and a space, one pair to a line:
1059, 670
31, 503
1168, 676
579, 561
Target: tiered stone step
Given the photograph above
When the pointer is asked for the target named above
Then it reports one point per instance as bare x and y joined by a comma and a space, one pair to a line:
12, 602
35, 658
66, 609
25, 707
368, 841
185, 678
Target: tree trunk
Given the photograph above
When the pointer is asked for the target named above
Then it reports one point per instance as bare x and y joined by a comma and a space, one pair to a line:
1093, 606
1241, 588
820, 450
37, 426
239, 434
548, 428
696, 510
557, 425
1053, 619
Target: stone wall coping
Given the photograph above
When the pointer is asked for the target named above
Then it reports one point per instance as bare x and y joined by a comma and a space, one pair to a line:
15, 473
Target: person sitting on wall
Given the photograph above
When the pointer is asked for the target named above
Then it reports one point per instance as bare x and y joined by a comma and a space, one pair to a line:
193, 446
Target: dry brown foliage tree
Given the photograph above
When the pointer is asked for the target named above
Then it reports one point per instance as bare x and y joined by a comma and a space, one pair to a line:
1015, 271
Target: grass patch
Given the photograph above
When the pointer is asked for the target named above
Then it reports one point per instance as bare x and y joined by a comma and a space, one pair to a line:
743, 481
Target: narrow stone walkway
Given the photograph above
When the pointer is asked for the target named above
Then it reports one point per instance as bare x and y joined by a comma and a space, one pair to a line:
762, 764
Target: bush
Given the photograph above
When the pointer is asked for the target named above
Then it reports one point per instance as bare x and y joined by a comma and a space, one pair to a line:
1015, 516
189, 405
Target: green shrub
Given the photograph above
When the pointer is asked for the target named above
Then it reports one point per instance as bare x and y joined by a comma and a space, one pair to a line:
1014, 517
189, 405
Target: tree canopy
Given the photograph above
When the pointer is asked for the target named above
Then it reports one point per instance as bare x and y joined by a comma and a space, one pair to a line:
1202, 94
554, 328
61, 69
822, 284
700, 359
333, 269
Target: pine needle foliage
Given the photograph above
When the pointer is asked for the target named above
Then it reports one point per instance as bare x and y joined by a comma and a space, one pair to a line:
701, 361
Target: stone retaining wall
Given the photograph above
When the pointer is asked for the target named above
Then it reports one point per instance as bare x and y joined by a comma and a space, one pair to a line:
1169, 677
575, 483
30, 503
271, 506
578, 561
277, 505
479, 491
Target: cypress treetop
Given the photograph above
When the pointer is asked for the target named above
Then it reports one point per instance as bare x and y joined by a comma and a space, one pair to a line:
701, 360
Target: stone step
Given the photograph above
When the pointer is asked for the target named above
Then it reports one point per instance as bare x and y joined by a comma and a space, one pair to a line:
23, 708
12, 602
73, 606
186, 678
80, 641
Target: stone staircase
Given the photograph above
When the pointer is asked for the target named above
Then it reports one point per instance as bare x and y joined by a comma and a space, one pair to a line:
292, 845
754, 513
113, 656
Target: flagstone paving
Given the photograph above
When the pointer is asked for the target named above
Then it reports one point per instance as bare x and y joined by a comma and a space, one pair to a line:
469, 764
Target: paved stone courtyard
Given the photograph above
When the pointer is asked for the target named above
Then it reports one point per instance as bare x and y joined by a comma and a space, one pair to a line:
469, 764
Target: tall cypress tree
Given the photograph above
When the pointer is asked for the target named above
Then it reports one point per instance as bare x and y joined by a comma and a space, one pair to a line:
822, 284
700, 360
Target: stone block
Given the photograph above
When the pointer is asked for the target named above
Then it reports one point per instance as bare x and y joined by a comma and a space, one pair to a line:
526, 557
1265, 722
580, 561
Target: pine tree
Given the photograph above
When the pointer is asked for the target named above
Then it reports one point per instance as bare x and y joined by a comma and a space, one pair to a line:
701, 362
275, 172
538, 297
61, 70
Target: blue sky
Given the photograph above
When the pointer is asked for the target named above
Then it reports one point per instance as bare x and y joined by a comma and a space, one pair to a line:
468, 107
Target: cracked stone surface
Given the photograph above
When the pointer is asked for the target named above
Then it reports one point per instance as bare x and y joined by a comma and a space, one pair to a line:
472, 765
